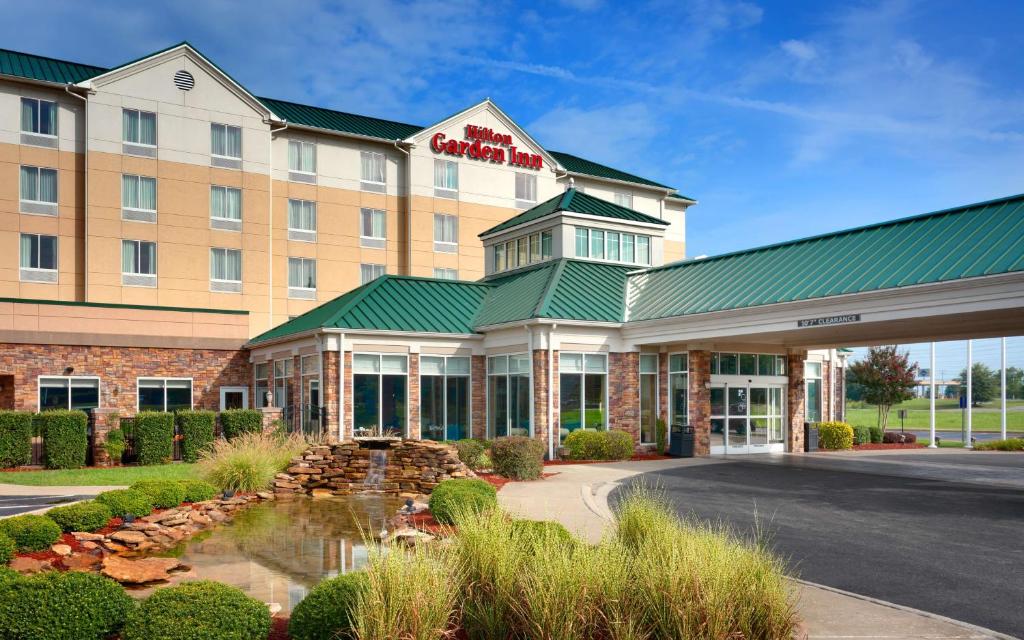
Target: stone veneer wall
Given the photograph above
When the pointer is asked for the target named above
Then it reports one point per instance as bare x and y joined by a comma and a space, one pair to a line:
413, 398
329, 393
413, 467
795, 401
663, 388
346, 382
624, 394
540, 396
700, 400
478, 397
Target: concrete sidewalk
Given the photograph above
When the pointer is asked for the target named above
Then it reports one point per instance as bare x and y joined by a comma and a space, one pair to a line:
17, 499
577, 496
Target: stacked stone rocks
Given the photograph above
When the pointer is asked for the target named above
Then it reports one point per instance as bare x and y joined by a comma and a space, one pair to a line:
413, 467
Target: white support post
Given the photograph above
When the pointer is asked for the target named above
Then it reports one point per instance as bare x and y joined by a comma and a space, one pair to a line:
970, 360
931, 418
1002, 386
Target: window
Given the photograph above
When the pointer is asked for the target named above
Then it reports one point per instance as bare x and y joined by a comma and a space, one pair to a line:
138, 127
138, 195
446, 274
583, 391
226, 270
582, 243
38, 252
226, 203
444, 397
373, 228
446, 233
643, 250
508, 396
597, 244
545, 245
624, 199
748, 364
165, 394
628, 248
526, 187
535, 247
39, 117
446, 176
301, 156
613, 246
302, 278
370, 272
678, 389
812, 379
63, 392
261, 373
499, 257
379, 394
521, 252
225, 140
371, 167
138, 263
301, 220
648, 397
38, 185
512, 256
283, 370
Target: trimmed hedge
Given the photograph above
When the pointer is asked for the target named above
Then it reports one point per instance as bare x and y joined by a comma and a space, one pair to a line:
861, 434
876, 434
451, 497
30, 532
164, 494
896, 437
202, 610
82, 516
126, 502
1009, 444
115, 445
196, 428
65, 438
537, 532
6, 549
15, 438
620, 445
472, 452
835, 435
518, 457
591, 444
326, 612
197, 490
235, 422
59, 605
154, 437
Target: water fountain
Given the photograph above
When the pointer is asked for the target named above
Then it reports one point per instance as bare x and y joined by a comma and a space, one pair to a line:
377, 469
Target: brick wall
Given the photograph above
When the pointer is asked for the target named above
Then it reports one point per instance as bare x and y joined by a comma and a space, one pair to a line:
413, 399
347, 384
700, 400
556, 422
663, 387
478, 396
540, 396
795, 401
329, 393
118, 369
624, 393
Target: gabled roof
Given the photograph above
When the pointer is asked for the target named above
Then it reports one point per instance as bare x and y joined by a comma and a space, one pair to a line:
576, 164
330, 120
575, 201
43, 69
965, 242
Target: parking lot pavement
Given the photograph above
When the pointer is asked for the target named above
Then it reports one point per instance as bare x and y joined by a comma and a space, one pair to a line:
13, 505
901, 528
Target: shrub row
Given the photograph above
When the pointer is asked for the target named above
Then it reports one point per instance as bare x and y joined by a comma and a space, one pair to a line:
1009, 444
30, 532
65, 438
473, 453
15, 438
89, 515
454, 497
235, 422
591, 444
835, 435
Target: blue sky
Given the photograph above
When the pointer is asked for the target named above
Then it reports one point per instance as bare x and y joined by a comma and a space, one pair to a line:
783, 119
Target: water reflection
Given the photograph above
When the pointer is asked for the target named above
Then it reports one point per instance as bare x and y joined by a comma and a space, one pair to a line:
277, 551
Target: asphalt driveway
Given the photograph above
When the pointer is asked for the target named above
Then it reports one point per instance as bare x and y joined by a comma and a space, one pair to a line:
904, 528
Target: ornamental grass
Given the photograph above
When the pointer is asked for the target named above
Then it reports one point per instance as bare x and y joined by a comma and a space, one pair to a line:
249, 461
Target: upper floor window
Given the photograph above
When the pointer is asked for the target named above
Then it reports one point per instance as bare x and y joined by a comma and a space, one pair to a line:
521, 252
38, 117
226, 270
301, 220
446, 233
138, 127
446, 175
614, 246
225, 140
138, 263
225, 203
38, 258
597, 244
526, 187
371, 167
38, 185
370, 272
643, 250
373, 228
624, 199
301, 276
138, 196
301, 156
499, 257
446, 274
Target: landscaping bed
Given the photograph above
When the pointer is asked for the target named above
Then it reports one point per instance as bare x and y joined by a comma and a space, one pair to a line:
885, 446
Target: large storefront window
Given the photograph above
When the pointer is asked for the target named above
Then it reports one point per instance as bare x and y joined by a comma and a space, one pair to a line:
747, 364
69, 393
261, 373
648, 398
283, 383
165, 394
508, 396
812, 377
679, 388
444, 397
583, 392
379, 393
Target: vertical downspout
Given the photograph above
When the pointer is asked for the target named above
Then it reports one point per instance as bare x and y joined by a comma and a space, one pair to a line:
551, 392
85, 189
270, 228
408, 207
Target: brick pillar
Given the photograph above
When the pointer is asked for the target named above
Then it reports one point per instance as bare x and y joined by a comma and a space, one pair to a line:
663, 387
795, 401
298, 401
414, 396
556, 403
838, 387
540, 396
270, 416
346, 381
329, 394
700, 400
103, 420
478, 397
624, 394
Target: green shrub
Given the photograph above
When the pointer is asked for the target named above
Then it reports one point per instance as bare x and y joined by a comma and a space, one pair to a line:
30, 532
235, 422
81, 516
472, 452
65, 438
250, 461
620, 445
1009, 444
586, 444
197, 490
661, 436
164, 494
6, 549
126, 502
62, 606
861, 434
154, 437
196, 428
115, 445
518, 457
453, 497
539, 531
835, 435
202, 610
876, 434
15, 438
326, 612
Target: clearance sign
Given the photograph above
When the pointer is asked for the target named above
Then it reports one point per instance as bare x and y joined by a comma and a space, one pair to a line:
482, 143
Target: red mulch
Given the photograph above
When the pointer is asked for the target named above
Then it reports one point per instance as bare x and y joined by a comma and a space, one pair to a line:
278, 629
636, 458
500, 481
425, 522
113, 525
880, 446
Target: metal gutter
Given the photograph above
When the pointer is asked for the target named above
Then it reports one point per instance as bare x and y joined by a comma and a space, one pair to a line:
270, 225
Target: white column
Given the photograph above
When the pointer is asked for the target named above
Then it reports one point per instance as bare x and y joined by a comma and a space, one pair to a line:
970, 358
1002, 387
931, 418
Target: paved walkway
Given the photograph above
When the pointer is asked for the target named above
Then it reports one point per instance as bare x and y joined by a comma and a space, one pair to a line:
17, 499
577, 496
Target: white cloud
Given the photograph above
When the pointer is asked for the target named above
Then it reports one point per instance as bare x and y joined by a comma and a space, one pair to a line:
799, 49
604, 134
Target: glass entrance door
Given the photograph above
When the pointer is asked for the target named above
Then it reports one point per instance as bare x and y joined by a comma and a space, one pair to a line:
746, 418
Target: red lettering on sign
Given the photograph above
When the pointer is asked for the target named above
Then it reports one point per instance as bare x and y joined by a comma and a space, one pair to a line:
480, 151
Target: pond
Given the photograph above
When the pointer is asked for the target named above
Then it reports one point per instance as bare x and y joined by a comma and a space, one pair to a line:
278, 550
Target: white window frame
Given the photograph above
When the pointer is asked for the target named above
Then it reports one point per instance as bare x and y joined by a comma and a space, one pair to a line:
372, 269
444, 385
39, 115
372, 242
164, 380
657, 394
820, 379
446, 273
508, 396
220, 222
302, 293
529, 183
38, 172
149, 215
375, 157
444, 244
138, 255
261, 398
68, 379
226, 128
583, 385
224, 285
311, 171
300, 234
671, 409
447, 189
624, 199
156, 128
38, 240
622, 235
234, 389
380, 388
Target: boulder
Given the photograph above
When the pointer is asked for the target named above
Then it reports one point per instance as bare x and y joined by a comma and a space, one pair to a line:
61, 549
22, 564
80, 561
139, 571
82, 536
128, 537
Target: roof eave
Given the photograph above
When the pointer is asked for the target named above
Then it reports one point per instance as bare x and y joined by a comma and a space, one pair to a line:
512, 324
345, 134
664, 189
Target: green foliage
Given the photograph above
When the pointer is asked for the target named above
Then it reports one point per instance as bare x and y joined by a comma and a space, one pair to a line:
62, 606
196, 428
835, 435
154, 437
164, 494
591, 444
518, 457
197, 490
65, 438
876, 434
115, 445
30, 532
984, 383
15, 438
538, 531
6, 549
81, 516
452, 497
126, 502
661, 436
326, 612
472, 452
885, 377
1009, 444
235, 422
861, 434
620, 445
201, 610
249, 461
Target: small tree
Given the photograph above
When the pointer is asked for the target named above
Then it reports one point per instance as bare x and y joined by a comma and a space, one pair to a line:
886, 377
984, 383
1014, 383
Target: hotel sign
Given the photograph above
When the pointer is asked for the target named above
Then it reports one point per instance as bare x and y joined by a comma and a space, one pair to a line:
483, 143
828, 321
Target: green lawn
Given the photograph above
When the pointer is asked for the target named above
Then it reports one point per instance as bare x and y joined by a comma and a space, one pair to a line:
947, 415
100, 477
943, 444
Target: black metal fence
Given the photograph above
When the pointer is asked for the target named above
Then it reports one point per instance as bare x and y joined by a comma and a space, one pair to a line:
307, 419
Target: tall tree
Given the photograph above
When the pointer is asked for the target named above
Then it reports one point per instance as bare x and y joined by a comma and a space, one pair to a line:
1014, 383
886, 377
984, 383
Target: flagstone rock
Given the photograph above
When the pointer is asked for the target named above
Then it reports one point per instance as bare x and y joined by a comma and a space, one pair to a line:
141, 571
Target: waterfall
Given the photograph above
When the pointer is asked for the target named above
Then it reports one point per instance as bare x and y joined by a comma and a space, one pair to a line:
375, 472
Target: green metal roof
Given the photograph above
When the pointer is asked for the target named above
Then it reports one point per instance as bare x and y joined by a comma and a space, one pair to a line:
515, 296
975, 240
576, 164
679, 196
331, 120
119, 305
33, 67
575, 201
